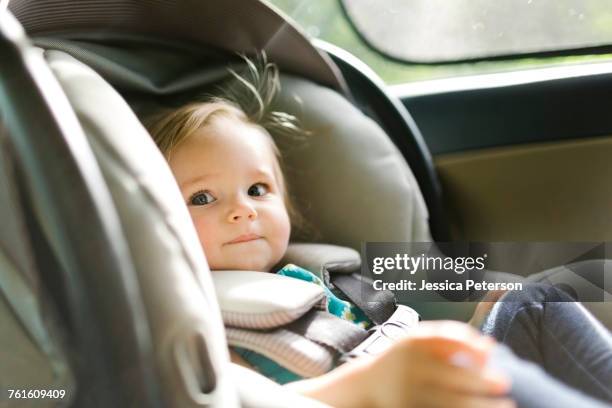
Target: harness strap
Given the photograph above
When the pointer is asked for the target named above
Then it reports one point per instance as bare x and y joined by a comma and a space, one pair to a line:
308, 347
329, 330
378, 305
292, 351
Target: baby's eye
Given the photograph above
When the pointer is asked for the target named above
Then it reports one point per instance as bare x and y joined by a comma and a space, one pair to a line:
258, 190
201, 198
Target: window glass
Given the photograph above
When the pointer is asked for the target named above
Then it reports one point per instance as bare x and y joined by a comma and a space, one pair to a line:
325, 19
442, 30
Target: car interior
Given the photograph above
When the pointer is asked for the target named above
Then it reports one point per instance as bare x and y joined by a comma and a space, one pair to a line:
104, 289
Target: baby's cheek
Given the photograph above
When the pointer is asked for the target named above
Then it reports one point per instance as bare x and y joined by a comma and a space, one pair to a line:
286, 228
205, 229
283, 231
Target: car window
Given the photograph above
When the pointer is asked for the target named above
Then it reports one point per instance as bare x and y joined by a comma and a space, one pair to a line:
442, 31
327, 20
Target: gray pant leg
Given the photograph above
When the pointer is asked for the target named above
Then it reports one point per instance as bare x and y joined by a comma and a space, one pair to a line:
541, 324
590, 281
534, 388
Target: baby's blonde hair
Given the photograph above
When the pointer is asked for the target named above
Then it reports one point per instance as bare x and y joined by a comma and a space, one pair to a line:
247, 98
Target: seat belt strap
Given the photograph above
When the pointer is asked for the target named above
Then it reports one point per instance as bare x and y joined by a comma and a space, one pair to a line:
378, 305
329, 330
308, 347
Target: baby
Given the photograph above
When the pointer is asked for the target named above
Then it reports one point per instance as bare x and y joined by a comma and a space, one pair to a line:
229, 172
230, 178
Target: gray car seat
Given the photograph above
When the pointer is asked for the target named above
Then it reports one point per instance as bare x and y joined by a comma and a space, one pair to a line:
338, 191
172, 271
188, 350
179, 335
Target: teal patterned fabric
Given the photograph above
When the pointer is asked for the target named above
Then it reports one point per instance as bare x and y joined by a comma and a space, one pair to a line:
336, 306
267, 367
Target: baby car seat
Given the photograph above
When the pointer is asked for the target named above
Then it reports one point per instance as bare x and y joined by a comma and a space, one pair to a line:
106, 294
117, 260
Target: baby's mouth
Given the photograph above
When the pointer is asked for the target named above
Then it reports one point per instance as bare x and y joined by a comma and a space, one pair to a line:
243, 238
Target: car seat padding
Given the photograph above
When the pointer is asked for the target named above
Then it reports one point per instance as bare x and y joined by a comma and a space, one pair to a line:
172, 274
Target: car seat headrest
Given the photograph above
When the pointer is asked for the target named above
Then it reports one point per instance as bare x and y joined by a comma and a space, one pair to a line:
347, 178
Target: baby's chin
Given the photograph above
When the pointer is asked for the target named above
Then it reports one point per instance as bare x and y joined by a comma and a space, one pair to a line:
243, 263
259, 255
251, 268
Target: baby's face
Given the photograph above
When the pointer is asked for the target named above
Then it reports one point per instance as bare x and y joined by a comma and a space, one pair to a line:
228, 176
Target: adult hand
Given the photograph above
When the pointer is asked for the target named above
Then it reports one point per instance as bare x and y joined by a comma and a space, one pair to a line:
443, 364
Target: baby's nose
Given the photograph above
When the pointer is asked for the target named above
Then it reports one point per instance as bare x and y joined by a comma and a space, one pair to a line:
242, 210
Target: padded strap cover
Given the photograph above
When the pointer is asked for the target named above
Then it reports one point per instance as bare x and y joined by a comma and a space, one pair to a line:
245, 296
262, 300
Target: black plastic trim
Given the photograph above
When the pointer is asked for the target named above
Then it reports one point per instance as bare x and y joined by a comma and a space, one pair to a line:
534, 112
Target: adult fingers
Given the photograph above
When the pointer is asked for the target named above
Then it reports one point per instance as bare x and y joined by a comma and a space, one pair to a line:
469, 381
449, 330
468, 353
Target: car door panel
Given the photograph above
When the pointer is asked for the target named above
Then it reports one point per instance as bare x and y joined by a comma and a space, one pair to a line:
522, 156
543, 191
